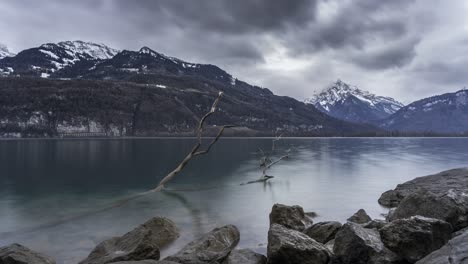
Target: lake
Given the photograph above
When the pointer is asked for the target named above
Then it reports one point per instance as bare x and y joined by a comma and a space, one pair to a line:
52, 192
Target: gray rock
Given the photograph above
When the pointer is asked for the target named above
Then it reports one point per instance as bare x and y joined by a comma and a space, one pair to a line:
329, 245
416, 237
358, 245
375, 223
460, 232
213, 247
147, 261
142, 243
287, 246
431, 205
245, 256
292, 217
18, 254
442, 183
454, 252
324, 231
360, 217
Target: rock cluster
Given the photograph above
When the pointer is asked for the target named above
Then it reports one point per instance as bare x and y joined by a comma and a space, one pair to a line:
428, 226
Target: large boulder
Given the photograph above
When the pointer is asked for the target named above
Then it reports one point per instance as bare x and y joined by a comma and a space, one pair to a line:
324, 231
455, 181
147, 261
213, 247
18, 254
447, 207
355, 244
360, 217
376, 223
292, 217
142, 243
287, 246
415, 237
454, 252
245, 256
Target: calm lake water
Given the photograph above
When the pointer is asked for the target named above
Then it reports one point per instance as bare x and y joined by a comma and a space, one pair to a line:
45, 181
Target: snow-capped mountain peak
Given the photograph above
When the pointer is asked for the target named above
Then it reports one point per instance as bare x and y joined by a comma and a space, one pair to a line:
94, 50
4, 52
348, 102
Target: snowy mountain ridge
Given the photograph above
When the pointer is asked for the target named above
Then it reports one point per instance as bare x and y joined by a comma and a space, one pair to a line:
348, 102
4, 52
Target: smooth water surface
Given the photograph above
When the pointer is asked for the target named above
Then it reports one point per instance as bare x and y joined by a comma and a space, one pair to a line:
52, 192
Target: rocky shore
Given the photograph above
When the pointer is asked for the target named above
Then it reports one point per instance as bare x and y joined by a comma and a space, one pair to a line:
427, 224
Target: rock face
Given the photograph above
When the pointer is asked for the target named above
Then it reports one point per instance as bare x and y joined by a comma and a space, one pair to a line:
375, 223
141, 243
292, 217
18, 254
213, 247
454, 252
452, 181
360, 217
416, 237
324, 231
355, 244
287, 246
428, 204
245, 256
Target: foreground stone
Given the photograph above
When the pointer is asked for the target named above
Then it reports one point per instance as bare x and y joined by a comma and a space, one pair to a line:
142, 243
213, 247
355, 244
287, 246
454, 252
375, 223
360, 217
425, 203
455, 181
147, 261
416, 237
292, 217
18, 254
245, 256
324, 231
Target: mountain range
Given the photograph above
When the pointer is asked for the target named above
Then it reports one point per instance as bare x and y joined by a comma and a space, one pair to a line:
74, 87
91, 88
349, 103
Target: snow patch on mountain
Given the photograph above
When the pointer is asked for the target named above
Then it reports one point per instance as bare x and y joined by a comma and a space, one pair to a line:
93, 50
4, 52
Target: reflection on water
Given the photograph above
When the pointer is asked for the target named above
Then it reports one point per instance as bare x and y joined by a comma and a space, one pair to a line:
43, 181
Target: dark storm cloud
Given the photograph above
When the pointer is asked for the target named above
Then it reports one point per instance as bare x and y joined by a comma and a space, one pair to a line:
226, 16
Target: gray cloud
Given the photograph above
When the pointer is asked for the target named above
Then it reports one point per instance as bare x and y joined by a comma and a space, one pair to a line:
292, 47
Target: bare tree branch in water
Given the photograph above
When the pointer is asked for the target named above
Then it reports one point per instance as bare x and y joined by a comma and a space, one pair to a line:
196, 149
266, 161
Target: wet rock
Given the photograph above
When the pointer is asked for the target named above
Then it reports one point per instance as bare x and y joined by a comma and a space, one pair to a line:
18, 254
425, 203
324, 231
455, 181
287, 246
213, 247
454, 252
142, 243
415, 237
245, 256
360, 217
292, 217
460, 232
375, 223
355, 244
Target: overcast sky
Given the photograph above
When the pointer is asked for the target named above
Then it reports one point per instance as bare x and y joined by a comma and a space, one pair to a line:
400, 48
